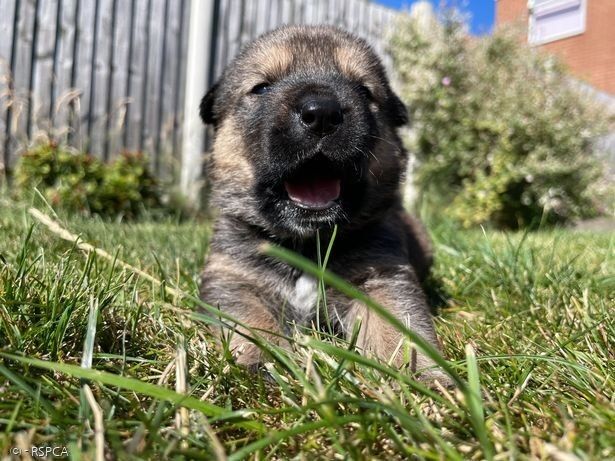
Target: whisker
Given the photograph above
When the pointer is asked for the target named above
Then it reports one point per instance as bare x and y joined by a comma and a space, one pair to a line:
388, 141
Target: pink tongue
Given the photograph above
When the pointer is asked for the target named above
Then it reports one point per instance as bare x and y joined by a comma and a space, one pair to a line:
318, 193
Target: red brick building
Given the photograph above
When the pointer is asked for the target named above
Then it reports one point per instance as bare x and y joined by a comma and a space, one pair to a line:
580, 32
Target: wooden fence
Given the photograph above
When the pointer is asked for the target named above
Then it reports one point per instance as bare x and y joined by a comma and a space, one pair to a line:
106, 75
110, 75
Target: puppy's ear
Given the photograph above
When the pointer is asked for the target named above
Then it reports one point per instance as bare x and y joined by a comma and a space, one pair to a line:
397, 110
207, 109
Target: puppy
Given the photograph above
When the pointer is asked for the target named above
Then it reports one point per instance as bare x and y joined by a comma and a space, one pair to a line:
305, 139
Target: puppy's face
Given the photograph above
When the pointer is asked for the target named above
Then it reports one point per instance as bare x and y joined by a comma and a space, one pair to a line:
305, 132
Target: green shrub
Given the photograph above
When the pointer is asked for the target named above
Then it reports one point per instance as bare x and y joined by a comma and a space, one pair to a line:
80, 183
128, 186
501, 133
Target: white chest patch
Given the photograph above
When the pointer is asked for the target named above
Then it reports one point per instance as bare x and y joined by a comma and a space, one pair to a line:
303, 298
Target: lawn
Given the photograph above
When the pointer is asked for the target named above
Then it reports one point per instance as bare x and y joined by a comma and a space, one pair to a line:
93, 350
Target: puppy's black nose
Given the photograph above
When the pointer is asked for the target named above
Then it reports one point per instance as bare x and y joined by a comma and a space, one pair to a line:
322, 116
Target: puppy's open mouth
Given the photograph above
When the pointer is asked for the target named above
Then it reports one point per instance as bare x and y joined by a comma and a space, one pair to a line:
314, 193
315, 186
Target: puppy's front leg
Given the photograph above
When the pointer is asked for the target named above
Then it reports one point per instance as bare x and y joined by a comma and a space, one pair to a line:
235, 291
398, 290
257, 317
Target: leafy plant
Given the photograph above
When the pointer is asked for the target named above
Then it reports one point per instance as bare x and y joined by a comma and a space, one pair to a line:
128, 186
81, 183
502, 134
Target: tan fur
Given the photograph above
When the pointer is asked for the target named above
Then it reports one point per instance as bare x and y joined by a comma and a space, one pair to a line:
229, 156
379, 337
266, 64
376, 335
252, 313
260, 319
353, 62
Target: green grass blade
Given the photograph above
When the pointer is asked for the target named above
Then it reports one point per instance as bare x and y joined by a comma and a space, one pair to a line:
135, 385
475, 403
88, 346
21, 384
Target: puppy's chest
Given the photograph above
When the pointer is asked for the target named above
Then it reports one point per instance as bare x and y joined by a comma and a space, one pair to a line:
302, 297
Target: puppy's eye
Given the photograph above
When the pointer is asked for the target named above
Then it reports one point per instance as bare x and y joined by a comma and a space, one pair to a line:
365, 92
261, 88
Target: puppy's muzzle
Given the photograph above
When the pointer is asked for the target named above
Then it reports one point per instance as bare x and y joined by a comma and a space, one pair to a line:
321, 115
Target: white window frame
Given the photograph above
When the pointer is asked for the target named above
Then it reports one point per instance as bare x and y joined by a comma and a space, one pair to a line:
553, 6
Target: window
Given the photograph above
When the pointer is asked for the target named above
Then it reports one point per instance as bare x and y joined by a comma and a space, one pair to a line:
552, 20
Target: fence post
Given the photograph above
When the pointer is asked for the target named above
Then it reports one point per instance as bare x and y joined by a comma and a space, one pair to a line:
198, 58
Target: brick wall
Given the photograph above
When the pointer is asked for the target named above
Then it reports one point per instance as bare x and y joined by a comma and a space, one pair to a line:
507, 11
591, 55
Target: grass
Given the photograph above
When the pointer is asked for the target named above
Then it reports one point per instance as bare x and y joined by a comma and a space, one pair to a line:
89, 349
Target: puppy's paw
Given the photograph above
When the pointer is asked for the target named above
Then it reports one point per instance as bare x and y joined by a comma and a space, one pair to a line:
246, 354
436, 379
249, 355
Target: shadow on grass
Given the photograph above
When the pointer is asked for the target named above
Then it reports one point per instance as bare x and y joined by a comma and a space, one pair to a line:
436, 294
